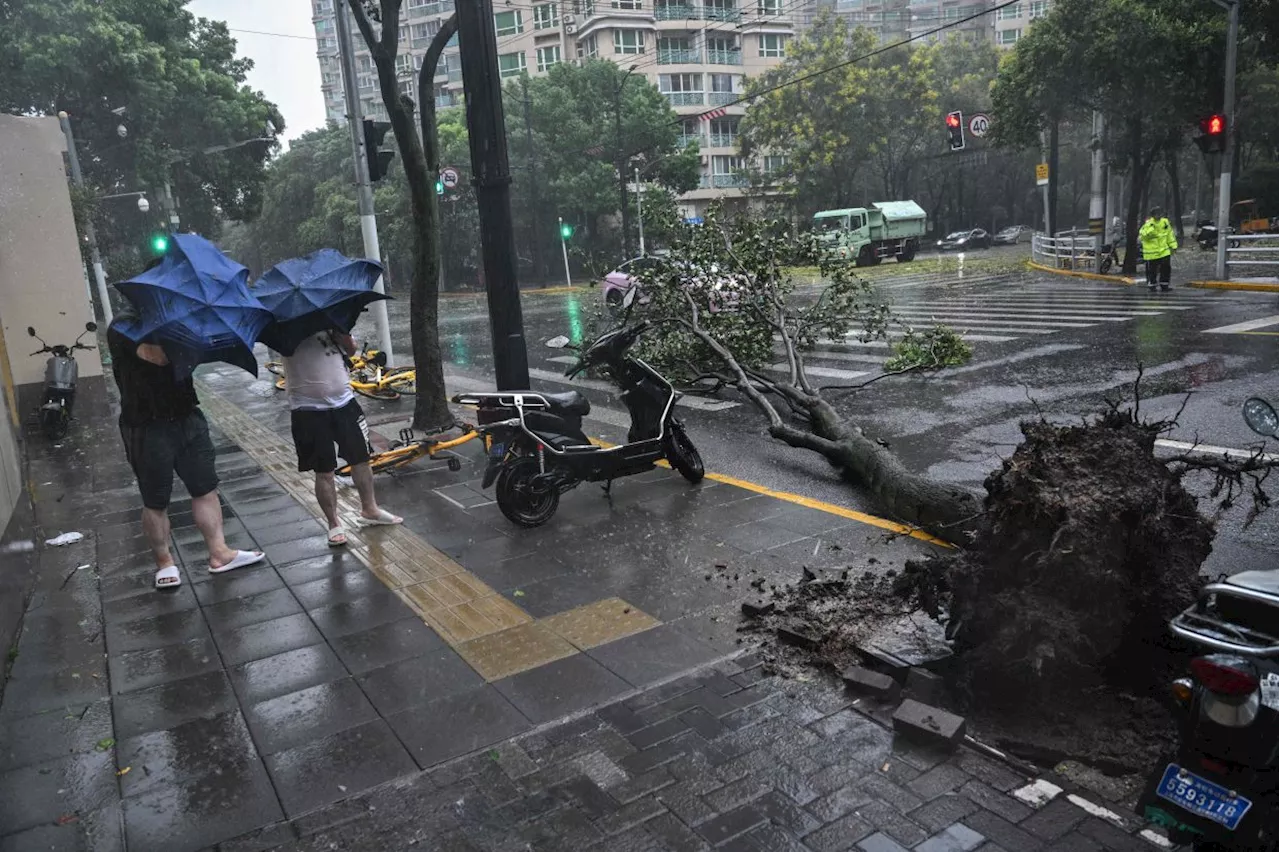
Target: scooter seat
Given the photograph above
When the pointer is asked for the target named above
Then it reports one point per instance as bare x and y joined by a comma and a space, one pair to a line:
570, 402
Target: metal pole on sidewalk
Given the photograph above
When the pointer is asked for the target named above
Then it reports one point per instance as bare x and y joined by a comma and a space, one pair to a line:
95, 258
564, 251
538, 265
486, 133
1097, 191
639, 212
1229, 111
364, 190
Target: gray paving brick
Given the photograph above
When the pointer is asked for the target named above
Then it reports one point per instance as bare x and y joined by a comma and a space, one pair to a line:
940, 779
993, 800
839, 835
1077, 842
642, 785
774, 839
889, 820
879, 843
630, 815
1112, 838
654, 734
782, 811
675, 835
729, 825
685, 802
737, 793
838, 803
1001, 831
835, 776
936, 815
955, 838
1054, 819
989, 771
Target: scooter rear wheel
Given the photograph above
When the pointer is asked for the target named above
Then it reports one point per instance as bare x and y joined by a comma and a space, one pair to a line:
516, 497
55, 423
683, 455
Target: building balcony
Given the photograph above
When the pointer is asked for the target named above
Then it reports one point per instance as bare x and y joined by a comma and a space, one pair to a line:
685, 141
729, 181
715, 13
684, 98
721, 98
679, 56
677, 12
446, 101
724, 140
426, 10
724, 57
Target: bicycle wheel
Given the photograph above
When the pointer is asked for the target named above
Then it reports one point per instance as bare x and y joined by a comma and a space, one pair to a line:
402, 382
391, 459
275, 368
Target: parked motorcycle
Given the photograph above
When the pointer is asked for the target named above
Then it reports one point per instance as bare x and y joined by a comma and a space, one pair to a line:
1219, 790
537, 449
61, 373
1207, 236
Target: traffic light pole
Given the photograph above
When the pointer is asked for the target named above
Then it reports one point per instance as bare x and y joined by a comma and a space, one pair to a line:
564, 252
95, 258
1228, 150
486, 133
364, 190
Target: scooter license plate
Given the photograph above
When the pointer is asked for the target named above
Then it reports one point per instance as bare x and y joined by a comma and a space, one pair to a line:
497, 450
1202, 797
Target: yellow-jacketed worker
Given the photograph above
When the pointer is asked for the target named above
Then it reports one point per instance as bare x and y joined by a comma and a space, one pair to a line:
1158, 245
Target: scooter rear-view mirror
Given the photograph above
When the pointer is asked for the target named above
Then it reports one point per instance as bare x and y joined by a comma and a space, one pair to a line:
629, 298
91, 326
1261, 417
559, 342
31, 331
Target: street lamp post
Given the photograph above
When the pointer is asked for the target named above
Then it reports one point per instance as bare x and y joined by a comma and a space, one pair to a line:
619, 162
639, 211
95, 257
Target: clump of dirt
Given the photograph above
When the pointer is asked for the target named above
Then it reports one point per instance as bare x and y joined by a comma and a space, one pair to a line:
1088, 546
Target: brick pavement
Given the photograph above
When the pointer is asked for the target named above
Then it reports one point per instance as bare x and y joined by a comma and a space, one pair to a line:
726, 758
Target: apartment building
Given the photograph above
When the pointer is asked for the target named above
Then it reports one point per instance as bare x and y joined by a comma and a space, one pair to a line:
696, 52
894, 20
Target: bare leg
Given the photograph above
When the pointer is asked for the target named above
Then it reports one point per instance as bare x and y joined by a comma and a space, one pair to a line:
327, 497
155, 525
362, 475
208, 517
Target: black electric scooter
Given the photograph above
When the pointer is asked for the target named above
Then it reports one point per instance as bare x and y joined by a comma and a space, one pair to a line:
61, 373
538, 451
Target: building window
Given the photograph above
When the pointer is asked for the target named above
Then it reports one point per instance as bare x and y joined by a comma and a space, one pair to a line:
325, 25
510, 64
721, 44
724, 164
721, 10
584, 7
773, 44
774, 163
509, 23
322, 6
1010, 36
626, 4
548, 56
720, 82
628, 41
770, 7
680, 82
1014, 11
1039, 8
545, 16
404, 63
588, 48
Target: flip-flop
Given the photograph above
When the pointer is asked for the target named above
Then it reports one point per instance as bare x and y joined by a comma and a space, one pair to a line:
243, 559
337, 538
168, 577
384, 519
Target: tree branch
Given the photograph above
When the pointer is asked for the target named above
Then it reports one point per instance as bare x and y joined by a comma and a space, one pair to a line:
366, 28
427, 92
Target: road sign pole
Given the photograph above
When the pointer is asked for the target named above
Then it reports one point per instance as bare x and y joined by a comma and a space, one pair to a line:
1229, 108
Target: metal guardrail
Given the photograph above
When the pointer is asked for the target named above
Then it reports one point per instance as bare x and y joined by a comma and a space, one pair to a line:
1064, 252
1254, 250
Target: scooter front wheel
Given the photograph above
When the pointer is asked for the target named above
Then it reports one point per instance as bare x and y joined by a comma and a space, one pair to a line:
516, 495
683, 455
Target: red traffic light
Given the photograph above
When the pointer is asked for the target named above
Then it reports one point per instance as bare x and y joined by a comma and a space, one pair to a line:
1214, 125
953, 119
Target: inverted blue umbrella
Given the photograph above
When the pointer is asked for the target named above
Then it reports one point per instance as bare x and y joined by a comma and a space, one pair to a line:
196, 304
306, 295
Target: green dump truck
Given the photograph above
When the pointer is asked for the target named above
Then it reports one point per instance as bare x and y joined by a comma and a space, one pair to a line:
867, 235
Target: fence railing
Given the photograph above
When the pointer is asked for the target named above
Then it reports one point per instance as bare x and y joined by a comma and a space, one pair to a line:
1064, 252
1254, 254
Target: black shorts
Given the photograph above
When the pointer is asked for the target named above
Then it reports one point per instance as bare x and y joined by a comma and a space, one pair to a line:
161, 448
317, 432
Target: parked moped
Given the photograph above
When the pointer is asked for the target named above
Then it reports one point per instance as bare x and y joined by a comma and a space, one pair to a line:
61, 373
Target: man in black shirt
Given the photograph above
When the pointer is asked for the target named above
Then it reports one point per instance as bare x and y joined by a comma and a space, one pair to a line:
165, 433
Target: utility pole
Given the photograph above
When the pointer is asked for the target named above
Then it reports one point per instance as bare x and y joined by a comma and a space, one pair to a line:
639, 211
364, 190
1229, 144
533, 182
1097, 189
486, 134
620, 163
99, 274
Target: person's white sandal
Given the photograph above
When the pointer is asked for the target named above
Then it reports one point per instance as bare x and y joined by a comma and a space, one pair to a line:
337, 538
168, 577
384, 519
243, 559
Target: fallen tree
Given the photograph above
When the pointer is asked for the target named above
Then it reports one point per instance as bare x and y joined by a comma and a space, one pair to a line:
727, 301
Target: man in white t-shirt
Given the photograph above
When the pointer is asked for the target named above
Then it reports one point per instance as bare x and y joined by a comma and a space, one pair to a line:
327, 421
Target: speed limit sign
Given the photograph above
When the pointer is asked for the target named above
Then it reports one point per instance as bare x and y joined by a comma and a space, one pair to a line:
979, 123
449, 177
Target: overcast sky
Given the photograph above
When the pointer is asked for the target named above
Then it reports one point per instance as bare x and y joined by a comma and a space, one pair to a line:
285, 69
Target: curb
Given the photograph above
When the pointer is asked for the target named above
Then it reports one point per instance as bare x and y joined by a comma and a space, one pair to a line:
1235, 285
1072, 273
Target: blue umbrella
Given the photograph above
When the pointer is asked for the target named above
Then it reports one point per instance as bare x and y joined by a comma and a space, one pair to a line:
197, 306
306, 295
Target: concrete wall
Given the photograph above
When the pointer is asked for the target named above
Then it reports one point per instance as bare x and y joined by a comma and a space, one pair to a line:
42, 280
10, 458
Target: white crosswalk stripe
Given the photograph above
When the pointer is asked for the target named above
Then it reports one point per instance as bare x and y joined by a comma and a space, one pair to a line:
824, 372
1243, 327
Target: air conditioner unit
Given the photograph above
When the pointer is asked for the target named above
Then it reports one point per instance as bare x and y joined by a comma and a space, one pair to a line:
569, 19
570, 28
704, 160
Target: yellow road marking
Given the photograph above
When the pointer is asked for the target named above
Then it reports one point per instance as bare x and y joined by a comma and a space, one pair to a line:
1076, 273
1261, 333
1243, 286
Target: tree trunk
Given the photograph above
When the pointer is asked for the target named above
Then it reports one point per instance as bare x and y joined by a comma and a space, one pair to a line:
1171, 166
431, 406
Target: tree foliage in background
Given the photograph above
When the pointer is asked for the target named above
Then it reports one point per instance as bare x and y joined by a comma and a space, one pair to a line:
183, 90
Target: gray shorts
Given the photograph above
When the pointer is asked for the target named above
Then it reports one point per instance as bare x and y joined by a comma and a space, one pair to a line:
161, 448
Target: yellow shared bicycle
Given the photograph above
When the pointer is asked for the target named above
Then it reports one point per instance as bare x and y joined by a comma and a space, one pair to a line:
370, 375
409, 449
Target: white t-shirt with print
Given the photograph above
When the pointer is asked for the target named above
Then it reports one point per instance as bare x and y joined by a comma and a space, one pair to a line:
316, 375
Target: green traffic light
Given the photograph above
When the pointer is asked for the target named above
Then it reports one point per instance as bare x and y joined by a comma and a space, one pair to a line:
439, 187
566, 231
159, 244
